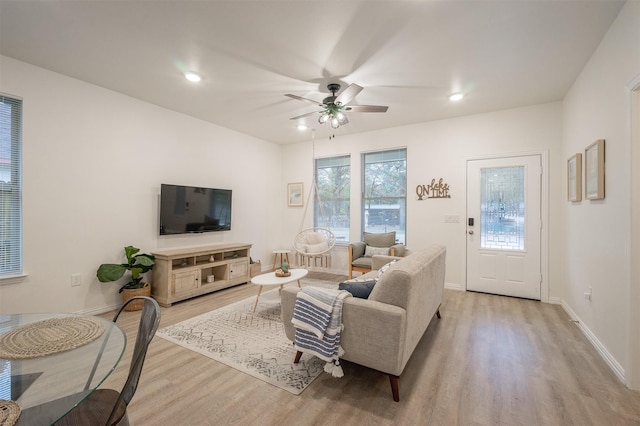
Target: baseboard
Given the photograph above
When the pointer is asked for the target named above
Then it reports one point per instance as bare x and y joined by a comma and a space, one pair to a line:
453, 286
602, 350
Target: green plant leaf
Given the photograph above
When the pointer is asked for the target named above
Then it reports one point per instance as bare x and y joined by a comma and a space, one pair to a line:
145, 260
130, 251
109, 272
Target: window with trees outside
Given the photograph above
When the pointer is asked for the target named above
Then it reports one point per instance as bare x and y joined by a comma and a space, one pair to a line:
332, 204
10, 186
384, 189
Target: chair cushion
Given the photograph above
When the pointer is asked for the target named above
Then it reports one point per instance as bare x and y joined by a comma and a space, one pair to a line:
371, 251
362, 262
380, 240
317, 248
358, 287
314, 238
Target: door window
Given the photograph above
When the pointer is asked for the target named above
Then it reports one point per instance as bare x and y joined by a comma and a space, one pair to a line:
502, 209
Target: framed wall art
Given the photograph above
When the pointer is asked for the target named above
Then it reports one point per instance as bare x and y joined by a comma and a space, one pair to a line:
295, 197
594, 171
574, 177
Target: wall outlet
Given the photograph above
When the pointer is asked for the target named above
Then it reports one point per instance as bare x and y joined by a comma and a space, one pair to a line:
76, 280
587, 295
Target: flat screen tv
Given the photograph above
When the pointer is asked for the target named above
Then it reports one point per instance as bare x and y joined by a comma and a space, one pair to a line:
190, 209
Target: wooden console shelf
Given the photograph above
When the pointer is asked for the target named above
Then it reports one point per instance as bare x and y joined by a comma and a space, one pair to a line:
180, 274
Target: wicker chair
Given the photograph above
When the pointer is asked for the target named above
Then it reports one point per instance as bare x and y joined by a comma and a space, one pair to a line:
314, 244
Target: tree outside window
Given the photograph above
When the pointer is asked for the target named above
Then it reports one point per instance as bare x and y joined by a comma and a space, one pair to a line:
385, 192
332, 204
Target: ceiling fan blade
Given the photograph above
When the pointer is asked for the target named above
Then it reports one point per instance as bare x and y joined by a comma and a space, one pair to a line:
367, 108
304, 115
300, 98
348, 94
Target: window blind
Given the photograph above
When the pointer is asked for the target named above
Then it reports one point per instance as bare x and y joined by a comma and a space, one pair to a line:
10, 186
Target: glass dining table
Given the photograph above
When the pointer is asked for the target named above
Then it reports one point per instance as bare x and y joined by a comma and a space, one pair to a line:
47, 387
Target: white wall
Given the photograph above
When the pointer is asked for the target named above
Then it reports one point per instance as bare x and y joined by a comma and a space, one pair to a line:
440, 149
93, 162
597, 233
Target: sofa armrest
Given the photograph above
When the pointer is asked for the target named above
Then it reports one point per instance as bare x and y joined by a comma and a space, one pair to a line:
373, 335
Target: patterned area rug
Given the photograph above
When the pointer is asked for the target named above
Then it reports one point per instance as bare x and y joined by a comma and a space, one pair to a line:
254, 343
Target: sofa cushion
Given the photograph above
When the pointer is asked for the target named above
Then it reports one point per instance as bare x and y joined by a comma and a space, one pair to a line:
380, 240
371, 251
358, 287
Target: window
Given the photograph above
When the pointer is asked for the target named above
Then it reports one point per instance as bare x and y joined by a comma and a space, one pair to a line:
10, 186
384, 191
331, 209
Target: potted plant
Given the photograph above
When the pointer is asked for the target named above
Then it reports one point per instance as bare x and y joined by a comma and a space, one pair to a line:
137, 264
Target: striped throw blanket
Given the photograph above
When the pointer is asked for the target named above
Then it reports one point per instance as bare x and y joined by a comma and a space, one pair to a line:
317, 318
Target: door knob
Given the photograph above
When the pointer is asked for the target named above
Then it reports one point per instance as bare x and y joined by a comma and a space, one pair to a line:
471, 232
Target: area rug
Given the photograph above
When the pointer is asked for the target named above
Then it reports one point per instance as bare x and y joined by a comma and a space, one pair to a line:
253, 343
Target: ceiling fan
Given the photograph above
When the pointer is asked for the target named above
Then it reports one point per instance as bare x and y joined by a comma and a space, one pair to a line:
333, 107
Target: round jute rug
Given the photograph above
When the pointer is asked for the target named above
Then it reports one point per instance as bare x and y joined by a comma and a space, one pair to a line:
49, 336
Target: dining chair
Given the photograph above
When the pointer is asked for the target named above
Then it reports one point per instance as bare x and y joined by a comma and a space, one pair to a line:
108, 406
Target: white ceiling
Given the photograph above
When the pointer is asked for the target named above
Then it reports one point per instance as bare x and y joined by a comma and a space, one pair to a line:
409, 55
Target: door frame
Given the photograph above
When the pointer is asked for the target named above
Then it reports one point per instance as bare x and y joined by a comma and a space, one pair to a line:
544, 214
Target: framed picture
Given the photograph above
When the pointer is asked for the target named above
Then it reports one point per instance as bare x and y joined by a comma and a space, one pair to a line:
594, 170
574, 177
294, 194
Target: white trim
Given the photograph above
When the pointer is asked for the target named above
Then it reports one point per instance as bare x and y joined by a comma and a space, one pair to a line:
544, 215
454, 286
633, 303
602, 350
13, 279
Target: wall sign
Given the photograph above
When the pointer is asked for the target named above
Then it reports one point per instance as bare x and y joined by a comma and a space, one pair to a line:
433, 190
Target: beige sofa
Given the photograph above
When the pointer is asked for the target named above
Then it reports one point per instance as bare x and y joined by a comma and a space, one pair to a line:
382, 331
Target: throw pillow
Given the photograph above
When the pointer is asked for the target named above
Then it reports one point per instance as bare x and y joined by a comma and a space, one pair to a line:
385, 267
317, 248
358, 287
372, 251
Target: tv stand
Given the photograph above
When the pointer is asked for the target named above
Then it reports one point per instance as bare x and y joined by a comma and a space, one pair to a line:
181, 274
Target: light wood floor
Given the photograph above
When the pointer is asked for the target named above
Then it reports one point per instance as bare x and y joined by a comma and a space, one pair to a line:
490, 360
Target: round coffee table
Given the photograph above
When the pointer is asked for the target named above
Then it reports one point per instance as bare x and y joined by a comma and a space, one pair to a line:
271, 279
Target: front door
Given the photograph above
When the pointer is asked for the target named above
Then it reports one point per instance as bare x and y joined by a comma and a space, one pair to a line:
504, 226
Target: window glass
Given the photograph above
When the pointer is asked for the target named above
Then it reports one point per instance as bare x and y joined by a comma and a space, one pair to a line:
332, 204
385, 192
502, 208
10, 186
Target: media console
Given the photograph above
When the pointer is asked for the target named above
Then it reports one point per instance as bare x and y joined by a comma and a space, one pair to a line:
180, 274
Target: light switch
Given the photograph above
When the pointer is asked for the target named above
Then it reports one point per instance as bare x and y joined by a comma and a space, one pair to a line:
451, 218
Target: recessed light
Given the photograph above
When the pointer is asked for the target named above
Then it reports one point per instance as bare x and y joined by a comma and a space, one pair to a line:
193, 76
456, 96
302, 127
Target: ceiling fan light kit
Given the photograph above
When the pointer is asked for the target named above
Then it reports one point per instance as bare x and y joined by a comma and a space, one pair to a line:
333, 107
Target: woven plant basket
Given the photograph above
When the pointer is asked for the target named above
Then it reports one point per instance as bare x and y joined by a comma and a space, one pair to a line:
128, 293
